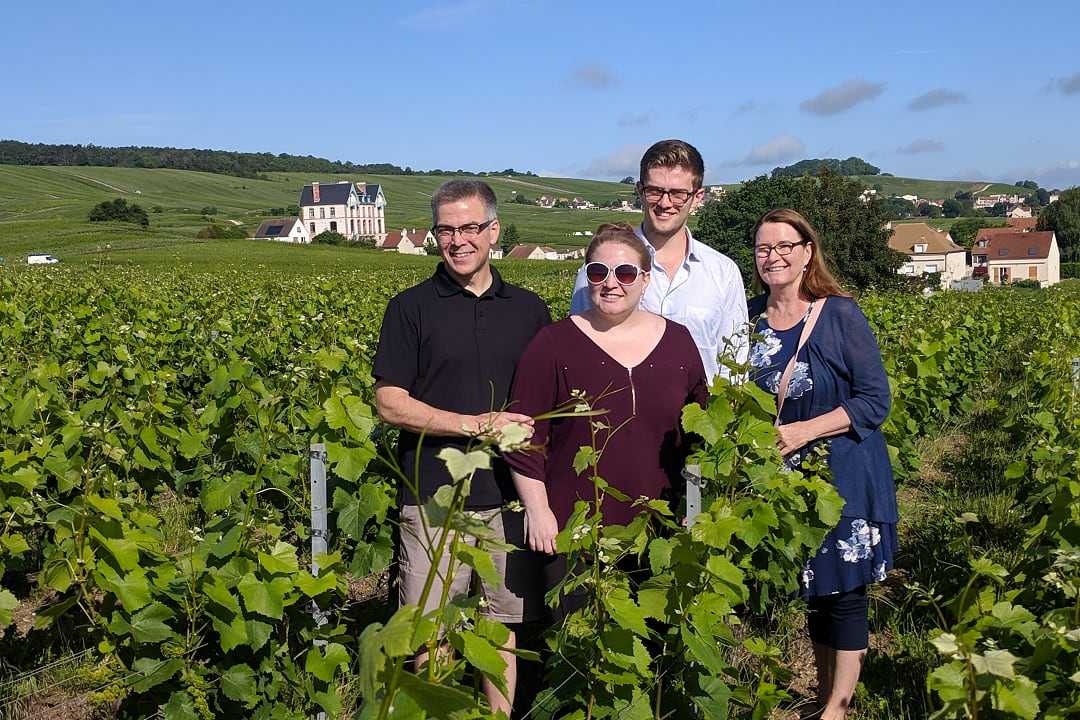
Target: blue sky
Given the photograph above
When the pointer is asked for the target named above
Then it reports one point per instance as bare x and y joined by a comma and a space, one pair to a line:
987, 90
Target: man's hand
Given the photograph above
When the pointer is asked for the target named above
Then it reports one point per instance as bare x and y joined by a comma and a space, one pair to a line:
542, 529
492, 423
792, 436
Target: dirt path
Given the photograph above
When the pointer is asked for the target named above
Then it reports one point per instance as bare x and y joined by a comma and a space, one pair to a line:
537, 185
99, 182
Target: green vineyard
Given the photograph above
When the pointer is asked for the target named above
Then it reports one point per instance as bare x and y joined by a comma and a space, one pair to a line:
155, 516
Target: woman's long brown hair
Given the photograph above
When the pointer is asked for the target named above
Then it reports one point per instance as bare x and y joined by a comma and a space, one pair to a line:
817, 281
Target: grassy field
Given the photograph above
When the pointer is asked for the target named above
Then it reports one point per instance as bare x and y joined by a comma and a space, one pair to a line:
43, 209
934, 189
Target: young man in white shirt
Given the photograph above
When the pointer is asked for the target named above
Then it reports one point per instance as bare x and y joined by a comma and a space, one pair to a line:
691, 283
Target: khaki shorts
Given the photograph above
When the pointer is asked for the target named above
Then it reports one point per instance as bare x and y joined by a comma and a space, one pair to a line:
518, 598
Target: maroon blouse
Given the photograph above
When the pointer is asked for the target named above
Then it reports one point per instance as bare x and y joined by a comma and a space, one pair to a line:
645, 454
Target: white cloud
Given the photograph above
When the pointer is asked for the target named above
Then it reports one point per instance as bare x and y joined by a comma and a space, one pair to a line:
925, 145
1064, 174
618, 163
780, 149
936, 98
593, 76
435, 17
1069, 85
842, 97
631, 120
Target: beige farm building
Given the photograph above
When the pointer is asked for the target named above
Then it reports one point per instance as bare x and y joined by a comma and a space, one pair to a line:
929, 251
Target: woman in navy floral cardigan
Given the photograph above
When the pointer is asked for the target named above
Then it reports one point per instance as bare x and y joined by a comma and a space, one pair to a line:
838, 396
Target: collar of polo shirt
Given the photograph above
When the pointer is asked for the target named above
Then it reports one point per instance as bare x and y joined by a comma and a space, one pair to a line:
445, 285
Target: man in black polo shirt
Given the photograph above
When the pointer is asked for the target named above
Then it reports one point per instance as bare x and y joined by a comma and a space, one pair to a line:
446, 358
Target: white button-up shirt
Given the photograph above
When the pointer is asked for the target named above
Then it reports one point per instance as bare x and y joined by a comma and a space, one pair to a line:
706, 295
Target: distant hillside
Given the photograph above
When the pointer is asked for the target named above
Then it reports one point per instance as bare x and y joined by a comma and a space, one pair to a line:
850, 167
224, 162
44, 209
890, 186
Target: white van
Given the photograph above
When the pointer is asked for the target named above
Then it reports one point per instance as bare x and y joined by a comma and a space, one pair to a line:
40, 259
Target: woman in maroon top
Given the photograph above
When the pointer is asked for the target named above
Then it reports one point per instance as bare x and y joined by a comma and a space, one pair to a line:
638, 367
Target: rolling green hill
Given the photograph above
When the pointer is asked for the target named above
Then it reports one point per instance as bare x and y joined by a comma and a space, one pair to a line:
933, 189
43, 209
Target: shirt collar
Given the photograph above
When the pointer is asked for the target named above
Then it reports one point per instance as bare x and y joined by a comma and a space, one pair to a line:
446, 286
691, 243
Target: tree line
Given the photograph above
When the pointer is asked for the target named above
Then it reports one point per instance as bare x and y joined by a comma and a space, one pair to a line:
223, 162
845, 168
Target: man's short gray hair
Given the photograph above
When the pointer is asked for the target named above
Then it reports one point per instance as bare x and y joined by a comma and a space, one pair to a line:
454, 190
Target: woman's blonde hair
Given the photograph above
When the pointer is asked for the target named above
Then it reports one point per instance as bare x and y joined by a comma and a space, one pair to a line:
817, 281
623, 234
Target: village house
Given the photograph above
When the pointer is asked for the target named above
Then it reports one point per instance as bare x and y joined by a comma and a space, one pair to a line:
1021, 223
495, 253
1053, 198
989, 201
717, 192
533, 252
408, 242
913, 199
289, 230
929, 251
577, 254
1020, 211
1005, 256
867, 194
354, 210
545, 201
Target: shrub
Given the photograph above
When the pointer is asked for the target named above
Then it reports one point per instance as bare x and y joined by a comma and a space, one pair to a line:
209, 210
157, 209
1026, 283
118, 209
221, 232
1070, 270
330, 238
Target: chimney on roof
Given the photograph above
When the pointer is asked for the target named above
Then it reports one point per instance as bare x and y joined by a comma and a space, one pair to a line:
315, 192
361, 187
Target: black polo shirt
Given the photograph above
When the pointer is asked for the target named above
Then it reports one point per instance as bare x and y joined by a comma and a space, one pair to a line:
456, 352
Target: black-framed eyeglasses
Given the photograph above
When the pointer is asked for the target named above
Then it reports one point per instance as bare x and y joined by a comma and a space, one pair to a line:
782, 249
445, 233
678, 196
625, 274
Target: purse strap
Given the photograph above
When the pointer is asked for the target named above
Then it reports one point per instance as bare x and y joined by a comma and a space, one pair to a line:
812, 316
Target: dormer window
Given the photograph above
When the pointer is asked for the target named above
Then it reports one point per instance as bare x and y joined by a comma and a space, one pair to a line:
920, 247
1003, 252
1032, 252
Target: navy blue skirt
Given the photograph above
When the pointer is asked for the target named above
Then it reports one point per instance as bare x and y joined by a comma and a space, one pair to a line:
856, 552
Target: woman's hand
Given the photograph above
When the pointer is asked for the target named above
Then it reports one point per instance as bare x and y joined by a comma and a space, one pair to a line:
543, 527
792, 436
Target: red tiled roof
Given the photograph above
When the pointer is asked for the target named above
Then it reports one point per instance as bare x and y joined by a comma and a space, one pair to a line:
1022, 223
521, 252
1017, 245
417, 237
392, 240
988, 233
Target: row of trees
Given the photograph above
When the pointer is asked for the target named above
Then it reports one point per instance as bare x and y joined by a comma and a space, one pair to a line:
1063, 217
846, 168
853, 233
13, 152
